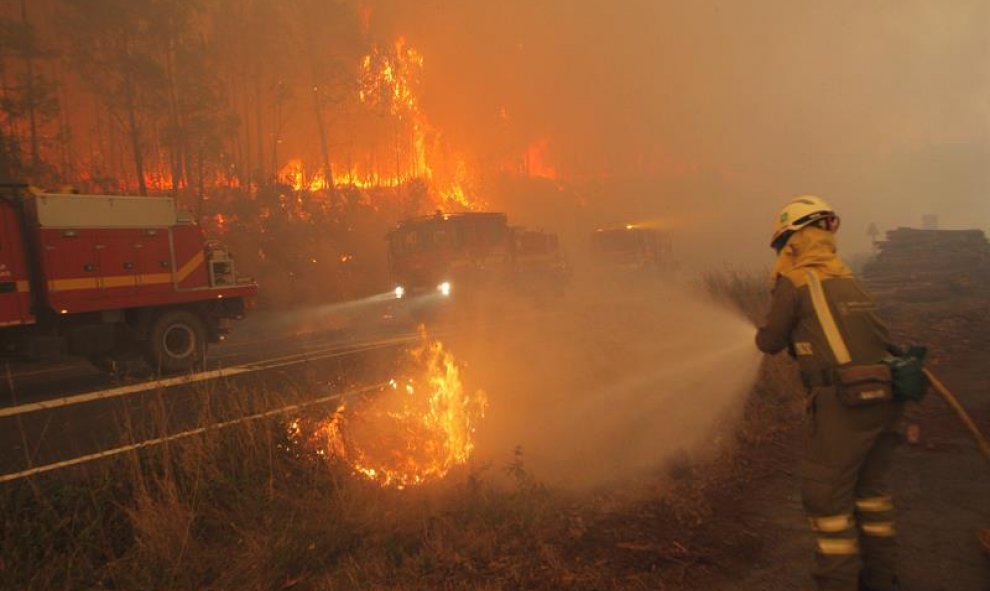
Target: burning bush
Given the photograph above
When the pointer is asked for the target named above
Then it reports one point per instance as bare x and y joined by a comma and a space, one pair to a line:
414, 430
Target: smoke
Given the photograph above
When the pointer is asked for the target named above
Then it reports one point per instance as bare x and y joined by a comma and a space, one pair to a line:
722, 107
615, 381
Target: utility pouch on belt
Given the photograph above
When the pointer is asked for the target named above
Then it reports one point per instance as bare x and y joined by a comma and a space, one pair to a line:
855, 385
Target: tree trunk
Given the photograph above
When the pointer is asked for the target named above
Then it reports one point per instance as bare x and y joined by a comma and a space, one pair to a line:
258, 116
201, 199
176, 141
135, 137
65, 130
321, 129
247, 172
31, 98
10, 145
277, 130
6, 170
107, 149
130, 103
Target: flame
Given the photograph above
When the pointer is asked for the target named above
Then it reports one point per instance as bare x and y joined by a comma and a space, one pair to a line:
389, 85
414, 431
220, 223
295, 174
389, 81
381, 135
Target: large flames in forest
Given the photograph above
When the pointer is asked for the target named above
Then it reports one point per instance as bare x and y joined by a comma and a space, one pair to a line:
413, 431
389, 81
246, 113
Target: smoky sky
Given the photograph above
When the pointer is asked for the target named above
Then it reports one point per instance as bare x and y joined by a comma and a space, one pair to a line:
728, 107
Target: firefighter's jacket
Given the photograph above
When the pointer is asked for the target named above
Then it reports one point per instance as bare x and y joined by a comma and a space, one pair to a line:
792, 323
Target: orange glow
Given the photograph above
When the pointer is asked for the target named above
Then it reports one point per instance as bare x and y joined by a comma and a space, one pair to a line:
537, 161
220, 223
295, 174
388, 84
401, 145
414, 431
157, 180
364, 18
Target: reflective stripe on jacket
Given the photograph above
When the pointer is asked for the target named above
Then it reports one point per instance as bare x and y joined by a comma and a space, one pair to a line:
793, 325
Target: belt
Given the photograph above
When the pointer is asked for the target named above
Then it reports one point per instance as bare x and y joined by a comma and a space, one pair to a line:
818, 378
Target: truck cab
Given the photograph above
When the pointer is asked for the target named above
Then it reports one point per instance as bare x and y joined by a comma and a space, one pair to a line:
445, 254
464, 257
15, 296
105, 277
631, 248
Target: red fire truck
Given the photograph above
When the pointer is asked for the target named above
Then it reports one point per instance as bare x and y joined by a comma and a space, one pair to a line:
111, 277
468, 253
632, 247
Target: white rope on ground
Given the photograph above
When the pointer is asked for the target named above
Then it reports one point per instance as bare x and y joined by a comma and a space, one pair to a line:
273, 363
121, 391
184, 434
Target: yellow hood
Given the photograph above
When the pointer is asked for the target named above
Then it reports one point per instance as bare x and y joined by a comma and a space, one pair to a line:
810, 248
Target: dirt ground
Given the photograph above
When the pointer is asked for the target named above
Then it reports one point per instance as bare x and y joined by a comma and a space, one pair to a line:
940, 483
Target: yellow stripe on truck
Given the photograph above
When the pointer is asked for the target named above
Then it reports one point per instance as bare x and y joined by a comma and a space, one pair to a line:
190, 266
123, 280
72, 284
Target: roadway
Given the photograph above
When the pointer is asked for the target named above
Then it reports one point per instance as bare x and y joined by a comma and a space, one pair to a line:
65, 412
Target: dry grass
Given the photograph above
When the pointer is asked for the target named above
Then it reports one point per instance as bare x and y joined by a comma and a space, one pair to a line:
237, 509
746, 291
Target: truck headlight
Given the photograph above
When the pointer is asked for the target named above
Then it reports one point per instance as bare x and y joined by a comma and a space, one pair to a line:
444, 288
399, 292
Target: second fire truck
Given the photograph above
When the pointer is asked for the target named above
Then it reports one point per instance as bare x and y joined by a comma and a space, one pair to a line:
449, 255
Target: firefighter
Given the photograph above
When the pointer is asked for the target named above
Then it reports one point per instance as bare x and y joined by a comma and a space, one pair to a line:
848, 448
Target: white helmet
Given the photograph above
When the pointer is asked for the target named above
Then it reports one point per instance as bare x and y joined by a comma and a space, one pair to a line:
800, 212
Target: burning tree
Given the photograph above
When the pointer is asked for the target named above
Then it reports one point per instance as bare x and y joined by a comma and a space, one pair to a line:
185, 97
153, 69
290, 120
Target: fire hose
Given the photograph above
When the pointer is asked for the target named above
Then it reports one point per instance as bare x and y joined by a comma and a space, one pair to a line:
964, 417
982, 536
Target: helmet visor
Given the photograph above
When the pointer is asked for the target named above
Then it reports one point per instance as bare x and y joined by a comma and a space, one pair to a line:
831, 223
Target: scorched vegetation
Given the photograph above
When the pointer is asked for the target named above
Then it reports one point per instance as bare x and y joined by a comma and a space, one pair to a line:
248, 508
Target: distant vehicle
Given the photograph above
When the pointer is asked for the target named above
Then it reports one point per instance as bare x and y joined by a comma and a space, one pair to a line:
447, 255
540, 269
632, 247
111, 277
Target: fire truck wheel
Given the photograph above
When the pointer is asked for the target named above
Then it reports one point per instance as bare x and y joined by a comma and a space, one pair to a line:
176, 342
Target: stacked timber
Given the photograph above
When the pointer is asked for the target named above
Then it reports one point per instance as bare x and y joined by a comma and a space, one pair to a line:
930, 264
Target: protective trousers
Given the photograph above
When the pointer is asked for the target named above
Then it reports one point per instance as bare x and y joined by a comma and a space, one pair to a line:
848, 453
